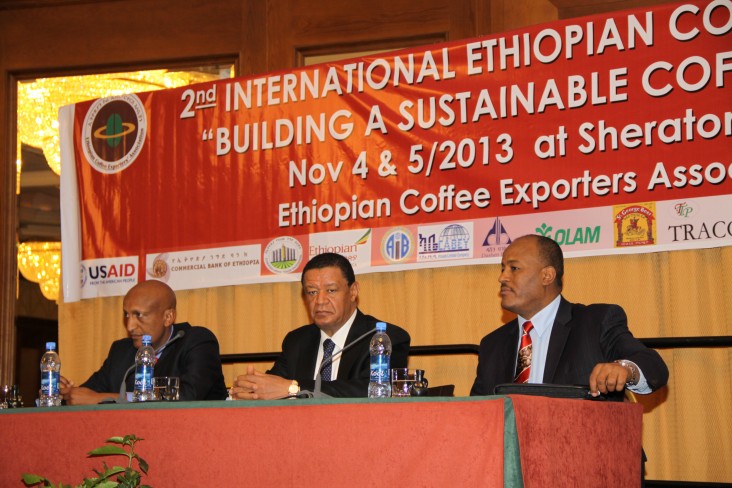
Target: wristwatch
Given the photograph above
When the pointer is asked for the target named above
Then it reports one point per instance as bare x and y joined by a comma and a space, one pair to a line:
634, 373
294, 388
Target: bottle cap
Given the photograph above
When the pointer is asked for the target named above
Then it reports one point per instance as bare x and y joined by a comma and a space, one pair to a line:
50, 346
146, 339
381, 326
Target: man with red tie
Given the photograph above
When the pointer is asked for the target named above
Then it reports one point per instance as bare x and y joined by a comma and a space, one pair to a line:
557, 342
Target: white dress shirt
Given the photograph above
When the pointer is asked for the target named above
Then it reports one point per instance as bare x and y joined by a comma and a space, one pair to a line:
340, 340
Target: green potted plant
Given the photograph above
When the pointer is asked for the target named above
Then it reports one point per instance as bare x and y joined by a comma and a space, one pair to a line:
116, 476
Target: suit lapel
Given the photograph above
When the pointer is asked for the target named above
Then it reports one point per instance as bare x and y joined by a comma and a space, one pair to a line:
309, 355
558, 339
506, 357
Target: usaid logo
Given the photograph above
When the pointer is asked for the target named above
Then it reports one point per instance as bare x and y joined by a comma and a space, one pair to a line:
102, 272
111, 271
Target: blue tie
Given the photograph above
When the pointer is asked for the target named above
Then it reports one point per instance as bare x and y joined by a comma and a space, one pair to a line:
328, 347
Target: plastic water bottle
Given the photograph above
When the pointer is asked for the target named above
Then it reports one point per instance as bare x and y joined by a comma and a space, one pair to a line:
144, 364
380, 350
50, 373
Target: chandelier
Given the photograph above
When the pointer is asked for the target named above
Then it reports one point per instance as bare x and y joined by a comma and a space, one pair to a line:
40, 262
38, 105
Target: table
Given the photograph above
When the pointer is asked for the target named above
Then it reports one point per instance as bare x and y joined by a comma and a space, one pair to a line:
479, 441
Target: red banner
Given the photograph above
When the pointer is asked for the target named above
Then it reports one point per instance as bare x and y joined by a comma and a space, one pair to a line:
612, 129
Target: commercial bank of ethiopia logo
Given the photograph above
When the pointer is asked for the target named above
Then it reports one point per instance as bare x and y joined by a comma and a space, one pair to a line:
283, 255
114, 133
397, 245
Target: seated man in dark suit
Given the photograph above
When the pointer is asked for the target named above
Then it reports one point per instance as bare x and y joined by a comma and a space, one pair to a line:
191, 353
567, 343
330, 291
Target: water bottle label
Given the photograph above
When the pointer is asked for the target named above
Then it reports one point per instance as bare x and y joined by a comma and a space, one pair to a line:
143, 378
49, 383
380, 369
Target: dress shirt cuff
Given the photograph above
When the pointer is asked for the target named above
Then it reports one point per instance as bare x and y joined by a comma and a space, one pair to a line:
641, 387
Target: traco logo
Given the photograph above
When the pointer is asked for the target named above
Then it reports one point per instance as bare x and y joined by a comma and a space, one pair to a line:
114, 133
683, 209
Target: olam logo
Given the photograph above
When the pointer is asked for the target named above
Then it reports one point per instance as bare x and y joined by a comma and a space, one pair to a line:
569, 236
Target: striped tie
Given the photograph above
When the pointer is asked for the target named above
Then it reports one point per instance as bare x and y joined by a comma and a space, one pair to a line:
523, 363
328, 347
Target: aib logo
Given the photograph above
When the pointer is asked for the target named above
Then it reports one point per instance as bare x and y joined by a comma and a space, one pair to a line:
396, 245
683, 209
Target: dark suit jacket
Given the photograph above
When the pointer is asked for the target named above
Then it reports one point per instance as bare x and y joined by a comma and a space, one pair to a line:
581, 337
300, 352
194, 358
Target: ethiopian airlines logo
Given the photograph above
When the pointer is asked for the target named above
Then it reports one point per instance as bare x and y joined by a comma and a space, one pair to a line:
114, 133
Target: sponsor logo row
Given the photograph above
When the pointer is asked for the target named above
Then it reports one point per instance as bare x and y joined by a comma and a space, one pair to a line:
599, 230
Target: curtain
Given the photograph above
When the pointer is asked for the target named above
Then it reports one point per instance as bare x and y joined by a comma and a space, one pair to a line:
687, 431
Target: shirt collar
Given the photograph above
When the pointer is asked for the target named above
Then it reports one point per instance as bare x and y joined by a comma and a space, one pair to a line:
160, 351
544, 319
341, 334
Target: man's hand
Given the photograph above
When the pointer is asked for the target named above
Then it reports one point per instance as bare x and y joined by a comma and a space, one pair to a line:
78, 395
607, 377
259, 386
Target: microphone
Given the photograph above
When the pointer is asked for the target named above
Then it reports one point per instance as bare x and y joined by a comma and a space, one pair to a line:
319, 379
122, 398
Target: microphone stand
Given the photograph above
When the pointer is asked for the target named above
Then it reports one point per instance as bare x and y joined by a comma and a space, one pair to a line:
316, 393
122, 398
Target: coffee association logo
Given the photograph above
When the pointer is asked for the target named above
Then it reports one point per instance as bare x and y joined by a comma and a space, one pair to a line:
283, 255
397, 245
114, 133
634, 224
570, 236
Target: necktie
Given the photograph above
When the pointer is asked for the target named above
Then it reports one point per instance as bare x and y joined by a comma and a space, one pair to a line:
523, 363
328, 347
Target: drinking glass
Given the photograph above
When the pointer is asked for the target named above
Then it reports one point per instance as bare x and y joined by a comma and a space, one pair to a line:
4, 396
166, 388
407, 382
